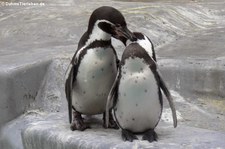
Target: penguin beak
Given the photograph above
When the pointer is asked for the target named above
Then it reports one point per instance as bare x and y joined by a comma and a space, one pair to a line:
123, 40
122, 33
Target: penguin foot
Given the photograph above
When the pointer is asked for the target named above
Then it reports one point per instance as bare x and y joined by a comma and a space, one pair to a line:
112, 124
78, 123
79, 126
150, 136
128, 136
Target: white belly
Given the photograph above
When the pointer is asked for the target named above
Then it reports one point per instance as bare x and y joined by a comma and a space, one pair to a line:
95, 77
138, 107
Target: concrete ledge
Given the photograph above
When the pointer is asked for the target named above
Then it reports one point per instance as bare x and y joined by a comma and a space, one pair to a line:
46, 80
18, 88
195, 78
54, 133
26, 79
10, 134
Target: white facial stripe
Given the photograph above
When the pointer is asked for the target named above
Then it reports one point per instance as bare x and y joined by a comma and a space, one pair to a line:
146, 44
98, 34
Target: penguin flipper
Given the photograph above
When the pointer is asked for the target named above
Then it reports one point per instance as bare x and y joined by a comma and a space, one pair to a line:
68, 89
169, 98
71, 74
111, 99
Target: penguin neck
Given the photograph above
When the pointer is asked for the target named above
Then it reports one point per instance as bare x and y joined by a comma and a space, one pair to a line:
97, 34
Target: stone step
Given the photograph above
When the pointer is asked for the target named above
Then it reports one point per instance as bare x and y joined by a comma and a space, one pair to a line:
52, 132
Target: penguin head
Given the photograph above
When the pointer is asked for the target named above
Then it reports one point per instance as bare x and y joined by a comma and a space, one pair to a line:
143, 40
111, 21
145, 43
139, 36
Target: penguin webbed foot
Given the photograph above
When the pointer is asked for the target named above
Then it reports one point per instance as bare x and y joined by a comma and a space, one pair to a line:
112, 124
78, 122
79, 126
128, 136
150, 136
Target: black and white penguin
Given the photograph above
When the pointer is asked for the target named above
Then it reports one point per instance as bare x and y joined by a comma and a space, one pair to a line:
94, 65
136, 96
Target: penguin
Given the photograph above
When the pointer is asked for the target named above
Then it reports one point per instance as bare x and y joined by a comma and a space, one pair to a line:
94, 66
135, 96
